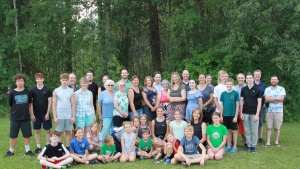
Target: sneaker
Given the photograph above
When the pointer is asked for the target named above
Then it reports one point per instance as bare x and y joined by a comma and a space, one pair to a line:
246, 149
74, 163
37, 150
233, 150
154, 157
156, 161
184, 164
29, 153
68, 166
168, 161
260, 140
93, 161
253, 150
228, 149
8, 154
143, 158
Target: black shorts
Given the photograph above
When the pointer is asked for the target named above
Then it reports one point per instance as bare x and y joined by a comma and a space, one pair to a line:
207, 116
118, 121
16, 125
227, 121
47, 124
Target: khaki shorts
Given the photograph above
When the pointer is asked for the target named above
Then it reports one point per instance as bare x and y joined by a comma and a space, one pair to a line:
192, 156
274, 119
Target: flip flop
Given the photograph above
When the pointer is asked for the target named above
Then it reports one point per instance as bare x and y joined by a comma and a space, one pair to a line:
277, 145
266, 145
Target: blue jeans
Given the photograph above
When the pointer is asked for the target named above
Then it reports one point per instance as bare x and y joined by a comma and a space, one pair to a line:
138, 111
151, 115
107, 126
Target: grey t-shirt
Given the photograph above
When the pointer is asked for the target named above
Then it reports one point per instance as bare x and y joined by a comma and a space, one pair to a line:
206, 96
177, 93
190, 146
63, 104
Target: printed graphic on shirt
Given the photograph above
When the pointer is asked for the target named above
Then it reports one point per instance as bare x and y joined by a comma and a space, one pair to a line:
21, 99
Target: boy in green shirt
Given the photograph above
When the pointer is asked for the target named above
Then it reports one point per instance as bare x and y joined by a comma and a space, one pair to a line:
230, 99
145, 145
108, 151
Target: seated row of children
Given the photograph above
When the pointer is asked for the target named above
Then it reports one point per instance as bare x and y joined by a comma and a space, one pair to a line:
174, 142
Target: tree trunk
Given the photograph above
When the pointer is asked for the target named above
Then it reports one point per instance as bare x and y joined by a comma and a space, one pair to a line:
154, 36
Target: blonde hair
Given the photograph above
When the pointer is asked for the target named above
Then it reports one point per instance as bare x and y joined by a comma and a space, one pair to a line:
91, 125
127, 123
179, 79
189, 128
153, 142
220, 73
132, 120
108, 138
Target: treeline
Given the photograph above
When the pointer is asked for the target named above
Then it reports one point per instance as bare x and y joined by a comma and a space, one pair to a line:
144, 36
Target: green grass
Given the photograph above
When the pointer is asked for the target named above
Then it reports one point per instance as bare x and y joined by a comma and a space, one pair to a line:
287, 156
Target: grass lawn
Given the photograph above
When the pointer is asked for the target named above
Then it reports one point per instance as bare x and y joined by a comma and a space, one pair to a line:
287, 156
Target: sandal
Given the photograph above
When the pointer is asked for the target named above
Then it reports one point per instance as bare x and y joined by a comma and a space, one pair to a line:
266, 145
278, 145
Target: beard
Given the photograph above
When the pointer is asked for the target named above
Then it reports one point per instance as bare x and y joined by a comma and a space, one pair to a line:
274, 84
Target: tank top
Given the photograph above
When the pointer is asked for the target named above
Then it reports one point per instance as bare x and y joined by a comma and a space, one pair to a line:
164, 98
197, 129
160, 128
137, 100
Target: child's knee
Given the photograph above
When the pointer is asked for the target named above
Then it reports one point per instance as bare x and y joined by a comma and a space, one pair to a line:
173, 161
218, 157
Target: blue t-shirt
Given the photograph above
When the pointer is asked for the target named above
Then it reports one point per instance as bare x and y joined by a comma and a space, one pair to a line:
107, 103
190, 146
79, 147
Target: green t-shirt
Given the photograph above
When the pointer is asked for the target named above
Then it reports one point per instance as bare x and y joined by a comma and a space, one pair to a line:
145, 146
229, 102
216, 134
107, 150
128, 84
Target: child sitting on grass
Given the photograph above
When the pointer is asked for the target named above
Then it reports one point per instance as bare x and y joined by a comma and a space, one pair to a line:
108, 152
79, 149
128, 144
94, 137
216, 138
171, 147
145, 145
55, 154
158, 146
187, 152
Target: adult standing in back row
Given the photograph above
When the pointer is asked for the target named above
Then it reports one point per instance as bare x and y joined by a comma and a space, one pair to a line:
250, 104
274, 95
93, 87
128, 84
176, 96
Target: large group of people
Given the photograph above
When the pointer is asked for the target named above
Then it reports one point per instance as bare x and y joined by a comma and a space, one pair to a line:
178, 121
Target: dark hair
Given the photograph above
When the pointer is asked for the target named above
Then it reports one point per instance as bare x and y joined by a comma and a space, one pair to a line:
56, 133
19, 76
133, 77
160, 107
145, 130
75, 130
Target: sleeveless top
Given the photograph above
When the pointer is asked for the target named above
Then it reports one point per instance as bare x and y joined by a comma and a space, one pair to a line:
160, 128
164, 98
128, 140
137, 100
197, 129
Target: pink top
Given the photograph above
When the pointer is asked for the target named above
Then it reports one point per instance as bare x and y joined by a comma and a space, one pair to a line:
163, 98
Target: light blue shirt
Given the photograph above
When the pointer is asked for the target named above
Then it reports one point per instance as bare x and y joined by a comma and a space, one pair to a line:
83, 103
275, 107
107, 103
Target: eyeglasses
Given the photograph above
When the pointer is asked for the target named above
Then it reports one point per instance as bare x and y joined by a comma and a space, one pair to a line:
110, 85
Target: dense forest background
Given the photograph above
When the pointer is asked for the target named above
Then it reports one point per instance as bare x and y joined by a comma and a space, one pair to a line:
203, 36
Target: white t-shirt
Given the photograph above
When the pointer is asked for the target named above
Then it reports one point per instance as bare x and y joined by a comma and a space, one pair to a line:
178, 130
217, 93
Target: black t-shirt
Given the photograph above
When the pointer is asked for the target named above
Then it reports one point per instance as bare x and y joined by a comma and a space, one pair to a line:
19, 102
40, 100
94, 89
51, 151
250, 99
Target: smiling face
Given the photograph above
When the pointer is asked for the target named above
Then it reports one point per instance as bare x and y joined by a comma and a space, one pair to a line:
241, 79
121, 86
192, 84
143, 120
94, 128
39, 81
175, 78
274, 81
188, 133
124, 74
136, 122
216, 119
177, 115
208, 80
146, 135
89, 76
201, 78
79, 134
229, 85
160, 112
185, 75
257, 75
127, 128
170, 138
157, 78
135, 82
72, 79
249, 79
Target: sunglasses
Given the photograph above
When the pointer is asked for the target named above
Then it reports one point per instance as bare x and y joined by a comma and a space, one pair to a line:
110, 85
